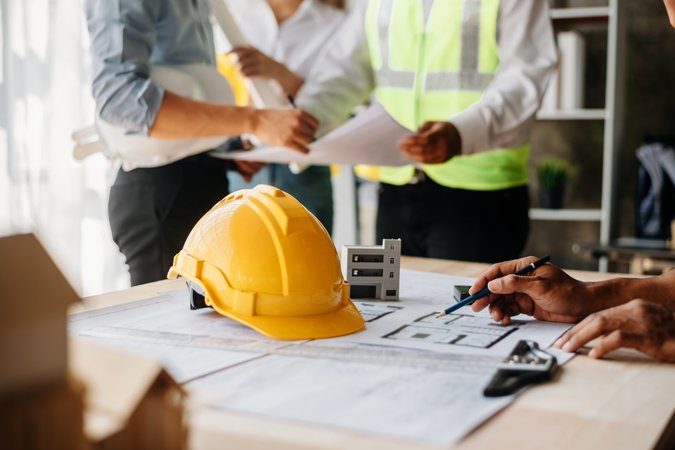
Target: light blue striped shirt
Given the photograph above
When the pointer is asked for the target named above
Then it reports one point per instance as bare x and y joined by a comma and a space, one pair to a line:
127, 37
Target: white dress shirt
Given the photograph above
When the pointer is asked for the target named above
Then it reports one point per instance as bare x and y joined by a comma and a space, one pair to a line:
502, 118
299, 41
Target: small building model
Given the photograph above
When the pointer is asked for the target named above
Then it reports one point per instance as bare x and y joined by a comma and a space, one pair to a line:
373, 271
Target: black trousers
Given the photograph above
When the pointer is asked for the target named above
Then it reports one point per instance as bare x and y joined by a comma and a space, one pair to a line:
440, 222
152, 211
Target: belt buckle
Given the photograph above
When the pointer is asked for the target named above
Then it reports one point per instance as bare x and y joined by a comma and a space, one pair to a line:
418, 176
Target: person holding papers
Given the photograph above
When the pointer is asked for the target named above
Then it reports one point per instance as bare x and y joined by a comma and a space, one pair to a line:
152, 210
623, 312
288, 38
466, 76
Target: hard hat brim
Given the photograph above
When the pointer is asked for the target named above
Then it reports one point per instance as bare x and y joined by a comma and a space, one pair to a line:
339, 322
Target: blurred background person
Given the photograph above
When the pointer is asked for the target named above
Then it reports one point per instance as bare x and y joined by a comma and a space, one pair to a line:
468, 77
287, 40
152, 210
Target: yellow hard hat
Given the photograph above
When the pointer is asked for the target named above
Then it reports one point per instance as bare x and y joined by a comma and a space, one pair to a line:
262, 259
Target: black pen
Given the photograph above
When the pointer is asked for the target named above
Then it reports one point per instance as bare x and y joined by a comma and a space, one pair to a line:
485, 291
291, 101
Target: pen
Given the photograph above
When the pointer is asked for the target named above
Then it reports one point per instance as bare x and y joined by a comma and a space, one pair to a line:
291, 101
485, 291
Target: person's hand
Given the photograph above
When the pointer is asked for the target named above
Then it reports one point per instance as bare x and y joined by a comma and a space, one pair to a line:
292, 128
548, 293
254, 63
434, 143
647, 327
247, 168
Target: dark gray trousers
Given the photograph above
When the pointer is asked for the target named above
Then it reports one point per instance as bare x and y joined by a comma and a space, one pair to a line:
152, 211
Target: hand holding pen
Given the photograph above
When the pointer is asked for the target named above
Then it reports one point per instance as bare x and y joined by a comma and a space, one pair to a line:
485, 291
548, 293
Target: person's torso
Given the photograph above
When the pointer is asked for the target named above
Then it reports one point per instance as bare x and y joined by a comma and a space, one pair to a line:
432, 59
183, 33
299, 41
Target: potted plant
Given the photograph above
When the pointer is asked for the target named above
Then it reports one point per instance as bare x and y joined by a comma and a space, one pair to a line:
553, 176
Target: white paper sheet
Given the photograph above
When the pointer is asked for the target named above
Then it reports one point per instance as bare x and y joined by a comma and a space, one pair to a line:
415, 326
429, 288
183, 363
409, 402
464, 332
371, 137
148, 326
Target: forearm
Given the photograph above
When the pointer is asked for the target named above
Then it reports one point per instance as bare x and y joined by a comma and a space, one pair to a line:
180, 118
618, 291
290, 81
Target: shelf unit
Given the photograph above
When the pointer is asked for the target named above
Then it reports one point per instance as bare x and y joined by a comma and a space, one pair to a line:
570, 215
595, 12
613, 17
572, 114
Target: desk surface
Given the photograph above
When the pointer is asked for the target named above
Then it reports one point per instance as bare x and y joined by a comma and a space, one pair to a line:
625, 401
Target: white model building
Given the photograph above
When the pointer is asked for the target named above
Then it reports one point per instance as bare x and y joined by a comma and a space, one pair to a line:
373, 270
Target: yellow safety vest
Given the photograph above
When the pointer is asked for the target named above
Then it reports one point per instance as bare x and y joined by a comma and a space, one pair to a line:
433, 59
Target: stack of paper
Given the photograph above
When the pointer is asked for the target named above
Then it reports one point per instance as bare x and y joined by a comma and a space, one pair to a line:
372, 137
407, 375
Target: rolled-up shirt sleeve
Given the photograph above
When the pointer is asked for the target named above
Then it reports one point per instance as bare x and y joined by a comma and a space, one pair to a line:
122, 38
343, 78
504, 115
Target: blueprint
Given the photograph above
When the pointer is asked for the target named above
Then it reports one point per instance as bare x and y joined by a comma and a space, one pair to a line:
454, 329
407, 375
415, 326
373, 311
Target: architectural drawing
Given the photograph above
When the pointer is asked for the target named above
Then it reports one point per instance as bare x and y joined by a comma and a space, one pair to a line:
454, 329
371, 312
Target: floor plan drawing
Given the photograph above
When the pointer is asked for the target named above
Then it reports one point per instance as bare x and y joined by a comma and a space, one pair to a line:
454, 329
371, 311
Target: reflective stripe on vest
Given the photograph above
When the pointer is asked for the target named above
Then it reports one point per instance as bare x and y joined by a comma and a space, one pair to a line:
433, 59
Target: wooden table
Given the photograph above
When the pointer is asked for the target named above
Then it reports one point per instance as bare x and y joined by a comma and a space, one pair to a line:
626, 401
